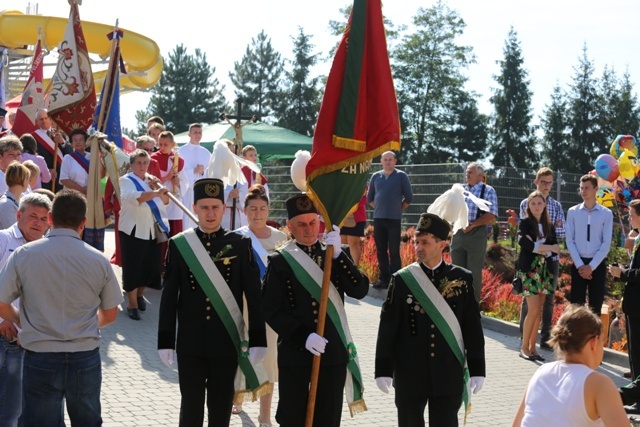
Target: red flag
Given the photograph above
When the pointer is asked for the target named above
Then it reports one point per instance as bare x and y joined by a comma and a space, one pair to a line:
32, 97
358, 118
72, 101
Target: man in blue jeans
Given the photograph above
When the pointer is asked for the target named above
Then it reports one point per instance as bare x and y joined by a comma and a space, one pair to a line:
67, 291
33, 221
389, 194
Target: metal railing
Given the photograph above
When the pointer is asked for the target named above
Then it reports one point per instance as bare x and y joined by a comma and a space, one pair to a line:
430, 181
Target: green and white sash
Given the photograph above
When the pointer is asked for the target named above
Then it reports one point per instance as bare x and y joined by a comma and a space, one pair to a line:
445, 320
309, 274
250, 381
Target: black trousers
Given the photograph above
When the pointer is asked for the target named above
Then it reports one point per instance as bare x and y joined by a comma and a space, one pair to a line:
595, 287
443, 410
197, 374
293, 388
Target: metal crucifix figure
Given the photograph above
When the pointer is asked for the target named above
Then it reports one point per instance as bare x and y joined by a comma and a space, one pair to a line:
237, 141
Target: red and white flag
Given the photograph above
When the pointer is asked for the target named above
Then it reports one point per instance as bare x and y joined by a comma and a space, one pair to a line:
72, 100
32, 96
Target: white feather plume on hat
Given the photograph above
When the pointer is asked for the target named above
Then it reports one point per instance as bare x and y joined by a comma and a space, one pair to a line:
452, 207
299, 169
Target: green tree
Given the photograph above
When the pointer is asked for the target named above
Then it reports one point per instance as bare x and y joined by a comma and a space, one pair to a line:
513, 137
627, 111
467, 132
257, 77
587, 140
610, 102
300, 99
555, 127
428, 67
187, 92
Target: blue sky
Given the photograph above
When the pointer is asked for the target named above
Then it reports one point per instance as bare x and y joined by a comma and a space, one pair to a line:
552, 33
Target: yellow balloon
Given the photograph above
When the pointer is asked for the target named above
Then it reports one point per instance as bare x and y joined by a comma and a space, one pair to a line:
627, 165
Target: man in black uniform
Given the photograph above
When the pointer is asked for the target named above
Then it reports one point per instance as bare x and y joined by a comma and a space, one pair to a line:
430, 322
290, 303
208, 271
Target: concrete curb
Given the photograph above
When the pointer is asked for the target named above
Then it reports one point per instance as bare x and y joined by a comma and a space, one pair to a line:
507, 328
512, 329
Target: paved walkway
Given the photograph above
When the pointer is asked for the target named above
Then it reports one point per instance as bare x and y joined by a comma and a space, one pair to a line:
138, 390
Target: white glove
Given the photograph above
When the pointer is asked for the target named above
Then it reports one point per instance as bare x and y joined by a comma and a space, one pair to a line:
384, 384
166, 355
333, 239
315, 344
257, 354
476, 383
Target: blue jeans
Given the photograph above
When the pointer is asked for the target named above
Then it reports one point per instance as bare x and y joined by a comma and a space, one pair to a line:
50, 378
11, 356
386, 234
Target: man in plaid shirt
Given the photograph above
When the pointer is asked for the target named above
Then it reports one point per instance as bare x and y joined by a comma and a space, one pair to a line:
544, 184
469, 245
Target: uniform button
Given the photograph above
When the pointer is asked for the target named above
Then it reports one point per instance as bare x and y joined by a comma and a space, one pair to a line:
208, 243
433, 345
313, 303
315, 311
341, 261
344, 266
433, 355
315, 320
193, 288
433, 326
209, 318
209, 308
433, 336
207, 299
209, 252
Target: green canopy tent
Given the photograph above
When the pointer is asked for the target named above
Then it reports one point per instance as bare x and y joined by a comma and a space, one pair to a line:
271, 142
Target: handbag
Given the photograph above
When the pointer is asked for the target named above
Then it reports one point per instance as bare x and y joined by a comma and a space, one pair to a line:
517, 285
161, 236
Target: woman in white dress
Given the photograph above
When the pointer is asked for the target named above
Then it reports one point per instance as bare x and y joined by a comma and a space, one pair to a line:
265, 239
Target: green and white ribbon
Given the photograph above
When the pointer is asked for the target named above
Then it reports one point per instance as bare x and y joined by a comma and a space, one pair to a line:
250, 381
309, 274
445, 320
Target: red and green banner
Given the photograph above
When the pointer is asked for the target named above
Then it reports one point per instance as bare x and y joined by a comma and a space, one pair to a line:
358, 118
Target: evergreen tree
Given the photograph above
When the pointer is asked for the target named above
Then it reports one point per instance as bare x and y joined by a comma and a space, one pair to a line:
587, 140
186, 93
468, 131
627, 116
555, 128
428, 67
300, 100
609, 103
257, 77
513, 137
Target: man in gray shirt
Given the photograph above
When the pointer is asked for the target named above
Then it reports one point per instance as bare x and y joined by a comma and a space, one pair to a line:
67, 291
389, 194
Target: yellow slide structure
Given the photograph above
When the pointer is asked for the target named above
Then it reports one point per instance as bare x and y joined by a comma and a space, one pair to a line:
140, 54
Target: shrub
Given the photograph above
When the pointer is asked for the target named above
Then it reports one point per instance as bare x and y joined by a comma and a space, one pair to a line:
496, 298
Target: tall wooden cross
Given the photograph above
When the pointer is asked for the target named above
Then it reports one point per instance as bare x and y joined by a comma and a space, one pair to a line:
238, 125
237, 141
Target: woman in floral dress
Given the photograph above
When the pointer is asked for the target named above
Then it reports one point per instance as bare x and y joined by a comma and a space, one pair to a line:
537, 240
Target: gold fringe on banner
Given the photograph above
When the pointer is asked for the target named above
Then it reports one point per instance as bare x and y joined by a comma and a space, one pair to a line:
349, 144
357, 407
242, 396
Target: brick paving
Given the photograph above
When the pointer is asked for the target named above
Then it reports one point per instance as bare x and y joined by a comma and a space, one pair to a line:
138, 390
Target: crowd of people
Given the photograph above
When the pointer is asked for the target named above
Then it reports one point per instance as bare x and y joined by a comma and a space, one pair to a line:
241, 298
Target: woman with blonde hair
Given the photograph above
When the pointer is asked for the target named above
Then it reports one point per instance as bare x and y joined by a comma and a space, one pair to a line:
17, 178
569, 391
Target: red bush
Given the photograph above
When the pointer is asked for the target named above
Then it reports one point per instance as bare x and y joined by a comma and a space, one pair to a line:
496, 297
